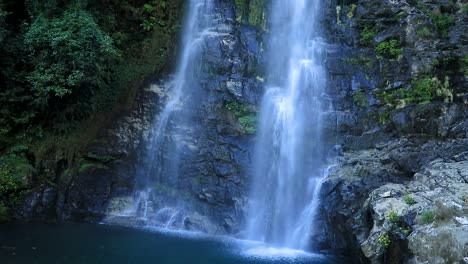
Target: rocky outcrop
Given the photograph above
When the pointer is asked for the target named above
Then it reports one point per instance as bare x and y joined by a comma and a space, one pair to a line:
399, 126
376, 204
217, 147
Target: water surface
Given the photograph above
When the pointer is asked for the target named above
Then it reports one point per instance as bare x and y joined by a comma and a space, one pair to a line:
85, 243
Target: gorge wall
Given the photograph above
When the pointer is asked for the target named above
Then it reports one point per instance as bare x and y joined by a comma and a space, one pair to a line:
398, 83
398, 73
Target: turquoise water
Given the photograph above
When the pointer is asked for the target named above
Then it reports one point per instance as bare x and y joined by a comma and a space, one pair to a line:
85, 243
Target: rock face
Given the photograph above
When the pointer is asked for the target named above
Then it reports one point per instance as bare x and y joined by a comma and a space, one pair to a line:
216, 159
398, 191
370, 197
398, 123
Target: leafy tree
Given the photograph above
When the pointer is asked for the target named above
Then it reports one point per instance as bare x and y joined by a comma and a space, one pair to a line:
72, 58
61, 60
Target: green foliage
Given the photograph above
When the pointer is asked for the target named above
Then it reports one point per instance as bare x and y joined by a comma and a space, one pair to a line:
238, 109
242, 9
423, 32
464, 63
401, 15
384, 240
422, 90
395, 97
393, 217
352, 9
99, 158
62, 65
360, 99
87, 165
18, 149
367, 35
409, 199
252, 12
15, 172
363, 61
249, 122
405, 231
246, 117
383, 117
427, 217
73, 56
389, 49
442, 22
155, 13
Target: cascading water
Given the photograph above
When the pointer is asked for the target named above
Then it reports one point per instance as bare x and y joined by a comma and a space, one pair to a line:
157, 176
289, 156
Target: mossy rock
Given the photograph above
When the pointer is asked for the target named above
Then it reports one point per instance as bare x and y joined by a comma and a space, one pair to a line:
245, 115
88, 166
252, 12
15, 173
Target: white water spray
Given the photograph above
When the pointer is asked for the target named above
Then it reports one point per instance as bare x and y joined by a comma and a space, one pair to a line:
158, 174
289, 156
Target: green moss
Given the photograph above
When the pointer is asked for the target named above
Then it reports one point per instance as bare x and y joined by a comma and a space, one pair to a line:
352, 9
383, 117
99, 158
367, 35
15, 173
409, 199
389, 49
249, 122
427, 217
401, 15
384, 240
87, 165
393, 217
245, 116
363, 61
422, 90
464, 63
423, 32
442, 22
360, 99
435, 63
252, 12
405, 231
257, 13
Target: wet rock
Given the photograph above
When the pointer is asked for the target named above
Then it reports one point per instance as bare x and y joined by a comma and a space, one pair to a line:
197, 222
418, 218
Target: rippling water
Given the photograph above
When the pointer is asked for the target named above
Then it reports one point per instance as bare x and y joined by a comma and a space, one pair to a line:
85, 243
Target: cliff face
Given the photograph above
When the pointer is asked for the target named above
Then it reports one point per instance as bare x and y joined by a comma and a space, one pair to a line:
216, 155
397, 79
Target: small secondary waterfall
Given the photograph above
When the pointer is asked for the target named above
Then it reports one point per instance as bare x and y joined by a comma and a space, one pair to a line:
158, 174
289, 159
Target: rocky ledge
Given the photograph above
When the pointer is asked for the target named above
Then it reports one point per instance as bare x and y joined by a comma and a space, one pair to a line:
404, 201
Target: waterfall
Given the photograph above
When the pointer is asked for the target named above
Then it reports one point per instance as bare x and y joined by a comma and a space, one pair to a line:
289, 159
157, 176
